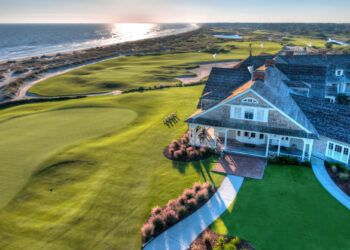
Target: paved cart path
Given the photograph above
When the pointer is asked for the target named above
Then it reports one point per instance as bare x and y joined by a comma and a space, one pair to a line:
181, 235
326, 181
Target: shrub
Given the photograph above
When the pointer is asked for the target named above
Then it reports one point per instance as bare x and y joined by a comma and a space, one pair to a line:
334, 168
162, 218
170, 217
189, 194
196, 187
172, 204
174, 144
171, 151
203, 151
156, 211
207, 238
181, 212
209, 187
191, 204
158, 224
343, 176
202, 196
191, 155
177, 154
146, 232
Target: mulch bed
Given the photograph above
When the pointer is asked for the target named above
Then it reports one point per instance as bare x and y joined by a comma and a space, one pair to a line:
342, 184
200, 244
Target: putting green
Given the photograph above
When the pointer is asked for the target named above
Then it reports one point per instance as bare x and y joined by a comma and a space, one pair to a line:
27, 141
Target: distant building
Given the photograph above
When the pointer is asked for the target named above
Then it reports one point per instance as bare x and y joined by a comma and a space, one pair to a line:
282, 107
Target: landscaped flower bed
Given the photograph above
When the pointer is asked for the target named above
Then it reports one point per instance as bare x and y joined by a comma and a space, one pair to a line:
161, 218
340, 175
180, 150
209, 240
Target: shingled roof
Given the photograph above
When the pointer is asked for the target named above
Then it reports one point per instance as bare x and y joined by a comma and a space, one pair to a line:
276, 92
223, 81
314, 60
314, 75
330, 119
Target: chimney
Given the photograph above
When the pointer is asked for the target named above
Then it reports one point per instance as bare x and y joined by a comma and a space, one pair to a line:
270, 63
258, 75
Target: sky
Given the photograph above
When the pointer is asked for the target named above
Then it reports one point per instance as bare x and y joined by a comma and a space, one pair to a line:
171, 11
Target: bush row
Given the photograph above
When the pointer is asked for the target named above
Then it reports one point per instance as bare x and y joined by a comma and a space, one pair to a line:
182, 151
162, 218
288, 160
163, 86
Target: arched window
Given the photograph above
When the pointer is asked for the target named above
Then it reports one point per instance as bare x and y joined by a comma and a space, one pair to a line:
250, 100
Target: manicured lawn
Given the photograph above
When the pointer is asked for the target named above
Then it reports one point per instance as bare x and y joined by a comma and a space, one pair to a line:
93, 191
28, 140
288, 209
138, 71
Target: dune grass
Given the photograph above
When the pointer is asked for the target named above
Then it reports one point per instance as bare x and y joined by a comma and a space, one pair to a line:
139, 71
97, 193
288, 209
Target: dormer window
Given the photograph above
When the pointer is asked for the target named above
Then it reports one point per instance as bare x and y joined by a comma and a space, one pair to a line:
250, 100
339, 72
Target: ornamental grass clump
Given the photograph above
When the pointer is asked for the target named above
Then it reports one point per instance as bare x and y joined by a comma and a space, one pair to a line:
161, 218
182, 150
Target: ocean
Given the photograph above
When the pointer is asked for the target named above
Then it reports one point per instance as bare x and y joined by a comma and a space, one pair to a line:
28, 40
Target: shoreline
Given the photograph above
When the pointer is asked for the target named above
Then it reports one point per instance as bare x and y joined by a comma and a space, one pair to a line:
35, 69
67, 51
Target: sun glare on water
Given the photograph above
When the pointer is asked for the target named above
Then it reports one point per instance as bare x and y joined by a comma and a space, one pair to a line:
132, 31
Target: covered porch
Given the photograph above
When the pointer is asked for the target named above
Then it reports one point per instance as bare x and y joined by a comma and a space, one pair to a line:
250, 142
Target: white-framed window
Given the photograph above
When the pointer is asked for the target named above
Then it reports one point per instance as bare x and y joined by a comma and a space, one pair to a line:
339, 72
337, 151
249, 113
250, 100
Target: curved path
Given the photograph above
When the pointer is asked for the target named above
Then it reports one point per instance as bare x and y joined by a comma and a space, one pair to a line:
326, 181
181, 235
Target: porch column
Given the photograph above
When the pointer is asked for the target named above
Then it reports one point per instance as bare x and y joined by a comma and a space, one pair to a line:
279, 147
215, 137
304, 148
225, 139
195, 135
310, 149
267, 146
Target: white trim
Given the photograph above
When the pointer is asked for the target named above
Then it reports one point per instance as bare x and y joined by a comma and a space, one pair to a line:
343, 147
250, 100
220, 104
287, 116
244, 110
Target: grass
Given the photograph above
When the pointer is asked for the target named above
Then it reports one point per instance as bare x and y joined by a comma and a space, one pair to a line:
96, 193
30, 139
138, 71
288, 209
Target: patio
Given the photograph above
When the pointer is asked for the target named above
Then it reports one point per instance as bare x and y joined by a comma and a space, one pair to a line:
241, 165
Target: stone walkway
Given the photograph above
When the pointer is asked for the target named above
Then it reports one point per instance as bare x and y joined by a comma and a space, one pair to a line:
326, 181
181, 235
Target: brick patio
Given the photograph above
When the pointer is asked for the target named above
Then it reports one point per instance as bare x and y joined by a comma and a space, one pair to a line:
241, 165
